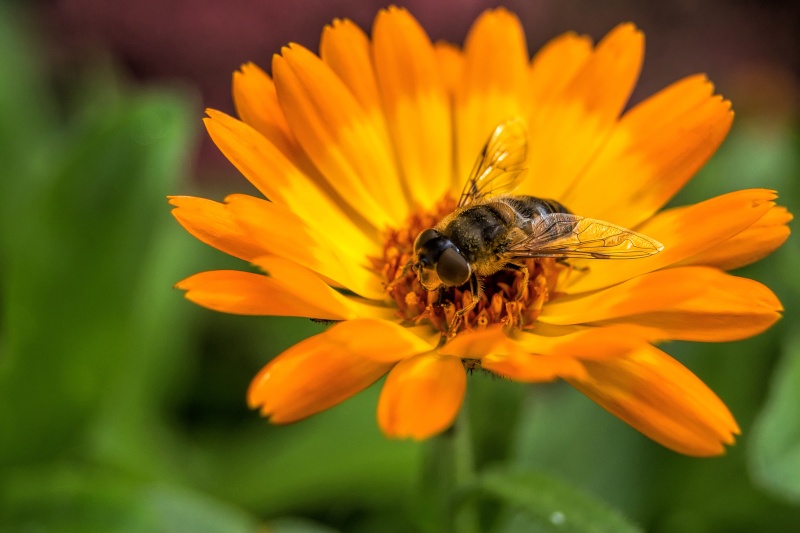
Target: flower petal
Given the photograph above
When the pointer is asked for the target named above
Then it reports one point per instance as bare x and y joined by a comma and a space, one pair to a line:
282, 233
344, 142
345, 48
320, 372
654, 150
450, 60
765, 236
257, 104
658, 396
421, 396
212, 223
282, 182
686, 303
290, 273
243, 293
578, 119
586, 342
416, 103
555, 64
533, 368
494, 84
684, 232
508, 358
477, 344
383, 341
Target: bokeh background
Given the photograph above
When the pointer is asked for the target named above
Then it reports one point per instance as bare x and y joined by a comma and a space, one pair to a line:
122, 404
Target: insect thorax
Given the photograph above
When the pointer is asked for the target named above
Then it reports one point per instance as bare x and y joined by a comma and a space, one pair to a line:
479, 231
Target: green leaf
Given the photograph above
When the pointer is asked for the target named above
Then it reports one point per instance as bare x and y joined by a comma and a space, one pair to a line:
76, 498
775, 449
335, 458
26, 107
297, 525
536, 502
88, 264
553, 415
170, 508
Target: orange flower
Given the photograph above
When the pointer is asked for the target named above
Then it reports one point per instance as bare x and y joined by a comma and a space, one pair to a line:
362, 147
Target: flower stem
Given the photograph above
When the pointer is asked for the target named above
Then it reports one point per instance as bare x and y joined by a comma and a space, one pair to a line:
465, 519
448, 470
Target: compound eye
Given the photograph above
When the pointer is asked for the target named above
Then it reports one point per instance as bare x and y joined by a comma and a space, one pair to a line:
424, 237
452, 268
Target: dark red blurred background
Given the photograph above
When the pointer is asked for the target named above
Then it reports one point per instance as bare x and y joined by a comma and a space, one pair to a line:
750, 49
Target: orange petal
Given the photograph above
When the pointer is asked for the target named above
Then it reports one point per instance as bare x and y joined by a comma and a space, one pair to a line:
346, 144
533, 368
684, 232
284, 234
450, 60
243, 293
555, 64
256, 101
686, 303
658, 396
345, 48
765, 236
494, 85
292, 274
257, 105
212, 223
382, 341
421, 396
507, 358
654, 150
586, 342
477, 344
282, 182
568, 132
321, 371
416, 103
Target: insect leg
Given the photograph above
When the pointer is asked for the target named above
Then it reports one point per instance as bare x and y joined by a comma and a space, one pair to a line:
476, 293
526, 277
441, 296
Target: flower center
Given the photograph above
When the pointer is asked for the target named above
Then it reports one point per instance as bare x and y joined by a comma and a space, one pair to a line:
506, 298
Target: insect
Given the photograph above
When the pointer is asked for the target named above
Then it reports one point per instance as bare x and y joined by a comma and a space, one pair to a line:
491, 229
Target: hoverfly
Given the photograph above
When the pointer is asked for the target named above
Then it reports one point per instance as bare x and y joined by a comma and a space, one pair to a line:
491, 230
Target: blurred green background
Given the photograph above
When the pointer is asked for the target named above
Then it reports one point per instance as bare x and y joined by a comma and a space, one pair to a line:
122, 404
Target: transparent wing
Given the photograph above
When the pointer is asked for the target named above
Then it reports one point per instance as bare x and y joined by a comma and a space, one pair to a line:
499, 166
568, 235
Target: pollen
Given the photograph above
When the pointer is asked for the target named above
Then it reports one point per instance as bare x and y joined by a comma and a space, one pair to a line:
507, 299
